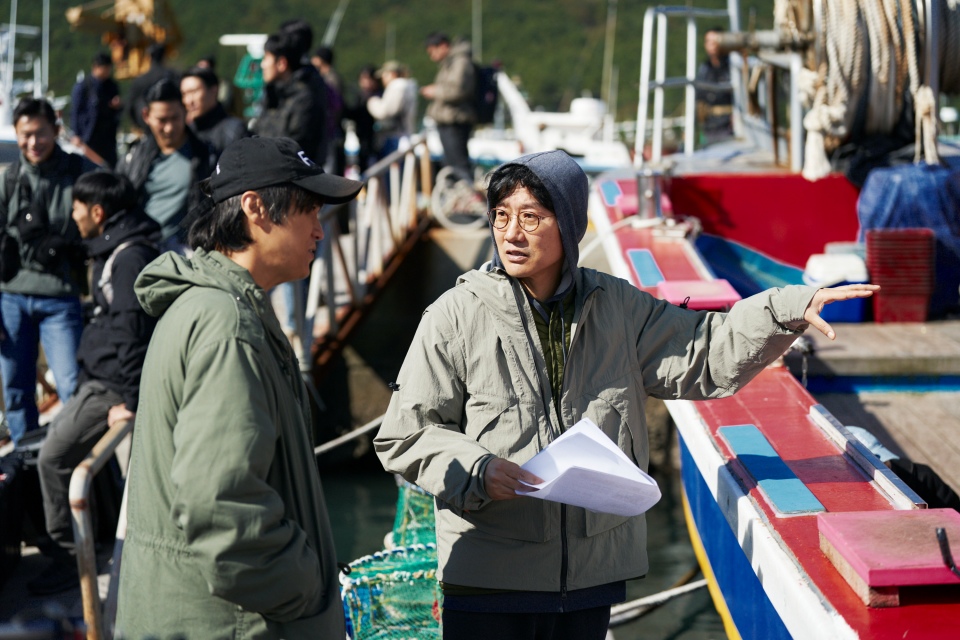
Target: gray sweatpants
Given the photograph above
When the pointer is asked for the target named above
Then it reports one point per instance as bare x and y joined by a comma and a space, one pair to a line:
72, 434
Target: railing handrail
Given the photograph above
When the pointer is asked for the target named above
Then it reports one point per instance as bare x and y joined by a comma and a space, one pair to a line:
688, 81
81, 482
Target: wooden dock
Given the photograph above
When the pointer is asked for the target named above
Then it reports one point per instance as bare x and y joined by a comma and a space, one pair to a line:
924, 426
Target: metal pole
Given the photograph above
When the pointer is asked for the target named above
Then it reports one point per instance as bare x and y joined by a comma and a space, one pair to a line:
657, 153
932, 50
646, 46
797, 142
478, 30
606, 85
7, 97
330, 35
689, 128
45, 49
391, 44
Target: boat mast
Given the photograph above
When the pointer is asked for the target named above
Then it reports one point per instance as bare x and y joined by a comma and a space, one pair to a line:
6, 113
45, 49
477, 30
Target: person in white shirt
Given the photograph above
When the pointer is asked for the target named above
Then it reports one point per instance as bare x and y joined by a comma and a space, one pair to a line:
396, 110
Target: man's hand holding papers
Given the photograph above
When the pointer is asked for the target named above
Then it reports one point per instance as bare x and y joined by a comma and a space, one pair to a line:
584, 468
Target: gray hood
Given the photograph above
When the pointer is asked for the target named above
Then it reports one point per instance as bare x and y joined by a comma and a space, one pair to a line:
568, 187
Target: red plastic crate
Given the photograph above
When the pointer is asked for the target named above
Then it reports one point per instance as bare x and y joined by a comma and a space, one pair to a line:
895, 307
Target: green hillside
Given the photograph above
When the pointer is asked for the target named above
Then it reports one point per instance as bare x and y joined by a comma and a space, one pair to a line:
555, 47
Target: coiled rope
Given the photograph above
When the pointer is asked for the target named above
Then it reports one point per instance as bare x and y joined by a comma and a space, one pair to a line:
870, 55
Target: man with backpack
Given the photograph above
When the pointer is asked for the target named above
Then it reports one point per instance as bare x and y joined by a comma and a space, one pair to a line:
41, 265
121, 240
453, 96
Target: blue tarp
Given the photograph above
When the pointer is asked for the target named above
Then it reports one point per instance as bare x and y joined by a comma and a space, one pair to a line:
922, 195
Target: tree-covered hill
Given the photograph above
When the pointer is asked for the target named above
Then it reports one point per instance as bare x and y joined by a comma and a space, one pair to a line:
555, 47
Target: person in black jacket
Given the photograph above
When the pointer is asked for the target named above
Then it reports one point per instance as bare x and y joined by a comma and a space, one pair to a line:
167, 165
206, 116
136, 101
95, 110
294, 97
121, 240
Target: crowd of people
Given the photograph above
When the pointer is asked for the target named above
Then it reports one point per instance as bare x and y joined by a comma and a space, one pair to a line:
81, 227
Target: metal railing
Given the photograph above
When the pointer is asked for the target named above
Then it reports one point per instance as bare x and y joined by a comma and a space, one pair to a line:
382, 222
660, 82
81, 483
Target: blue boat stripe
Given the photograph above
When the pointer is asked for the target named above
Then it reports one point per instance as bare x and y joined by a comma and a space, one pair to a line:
610, 189
783, 488
645, 266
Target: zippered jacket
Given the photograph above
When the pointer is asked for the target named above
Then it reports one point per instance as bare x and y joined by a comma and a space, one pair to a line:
52, 183
227, 529
474, 386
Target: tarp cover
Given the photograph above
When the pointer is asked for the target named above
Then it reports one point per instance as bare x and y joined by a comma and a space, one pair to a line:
919, 196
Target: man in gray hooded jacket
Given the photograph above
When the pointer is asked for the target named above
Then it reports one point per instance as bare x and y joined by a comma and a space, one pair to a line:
521, 350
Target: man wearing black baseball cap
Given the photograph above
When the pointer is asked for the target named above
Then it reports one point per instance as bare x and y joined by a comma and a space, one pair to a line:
228, 532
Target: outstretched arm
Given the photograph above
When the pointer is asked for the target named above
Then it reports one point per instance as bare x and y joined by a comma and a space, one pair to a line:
824, 297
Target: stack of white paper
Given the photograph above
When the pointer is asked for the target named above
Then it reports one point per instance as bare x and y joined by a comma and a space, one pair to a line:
584, 468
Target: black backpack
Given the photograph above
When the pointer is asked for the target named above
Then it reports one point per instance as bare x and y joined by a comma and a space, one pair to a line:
487, 93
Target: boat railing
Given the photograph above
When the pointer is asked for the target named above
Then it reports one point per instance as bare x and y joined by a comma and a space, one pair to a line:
364, 241
661, 81
755, 117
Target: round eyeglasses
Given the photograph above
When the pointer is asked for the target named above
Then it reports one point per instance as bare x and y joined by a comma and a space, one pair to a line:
528, 221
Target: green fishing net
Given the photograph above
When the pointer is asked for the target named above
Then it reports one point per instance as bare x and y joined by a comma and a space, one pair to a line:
394, 594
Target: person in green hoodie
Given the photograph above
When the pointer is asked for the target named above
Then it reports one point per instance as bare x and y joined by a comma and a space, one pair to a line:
519, 351
227, 530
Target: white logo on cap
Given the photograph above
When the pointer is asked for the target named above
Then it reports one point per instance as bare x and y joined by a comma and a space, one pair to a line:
303, 156
218, 168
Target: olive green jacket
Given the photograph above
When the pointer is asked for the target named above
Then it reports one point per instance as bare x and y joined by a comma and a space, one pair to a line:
227, 534
474, 386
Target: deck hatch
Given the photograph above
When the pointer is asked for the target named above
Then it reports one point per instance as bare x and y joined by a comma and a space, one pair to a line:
785, 491
645, 266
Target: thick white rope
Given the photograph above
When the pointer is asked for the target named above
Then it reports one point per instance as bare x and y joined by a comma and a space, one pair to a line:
834, 91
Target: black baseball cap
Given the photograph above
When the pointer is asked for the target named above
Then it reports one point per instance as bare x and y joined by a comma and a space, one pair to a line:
253, 163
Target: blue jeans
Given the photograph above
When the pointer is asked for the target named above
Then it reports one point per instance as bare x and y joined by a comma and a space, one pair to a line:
27, 321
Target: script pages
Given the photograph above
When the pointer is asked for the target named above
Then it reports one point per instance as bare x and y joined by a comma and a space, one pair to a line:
584, 468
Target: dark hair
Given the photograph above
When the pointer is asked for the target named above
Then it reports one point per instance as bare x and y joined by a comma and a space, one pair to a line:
223, 228
508, 178
102, 59
325, 54
300, 34
35, 108
715, 29
280, 45
207, 76
111, 191
157, 52
437, 38
165, 90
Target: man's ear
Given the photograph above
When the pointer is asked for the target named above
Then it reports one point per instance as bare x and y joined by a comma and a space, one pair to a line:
97, 214
255, 210
283, 65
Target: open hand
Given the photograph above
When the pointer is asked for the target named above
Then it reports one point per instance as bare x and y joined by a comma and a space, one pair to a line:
824, 297
502, 479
